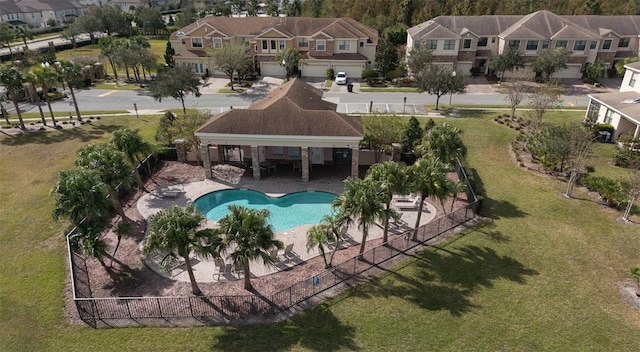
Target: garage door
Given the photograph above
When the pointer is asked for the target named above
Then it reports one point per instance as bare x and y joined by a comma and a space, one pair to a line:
572, 71
464, 68
353, 71
271, 69
314, 70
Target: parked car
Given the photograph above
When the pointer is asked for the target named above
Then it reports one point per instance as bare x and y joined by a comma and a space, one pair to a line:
341, 78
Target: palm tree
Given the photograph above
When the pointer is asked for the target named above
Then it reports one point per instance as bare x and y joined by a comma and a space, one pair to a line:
362, 199
3, 110
455, 187
130, 142
81, 197
635, 273
443, 141
289, 59
33, 80
174, 233
123, 228
319, 236
87, 238
43, 77
112, 168
7, 34
13, 79
253, 236
428, 178
71, 74
393, 178
24, 33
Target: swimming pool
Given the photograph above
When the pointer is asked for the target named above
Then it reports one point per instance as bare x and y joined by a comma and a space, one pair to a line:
287, 212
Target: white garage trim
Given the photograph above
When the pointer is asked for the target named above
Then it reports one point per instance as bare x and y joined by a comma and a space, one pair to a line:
314, 70
271, 69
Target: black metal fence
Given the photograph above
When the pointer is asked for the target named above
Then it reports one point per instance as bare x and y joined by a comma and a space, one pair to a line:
246, 309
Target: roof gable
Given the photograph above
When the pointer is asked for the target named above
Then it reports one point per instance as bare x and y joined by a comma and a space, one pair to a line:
272, 33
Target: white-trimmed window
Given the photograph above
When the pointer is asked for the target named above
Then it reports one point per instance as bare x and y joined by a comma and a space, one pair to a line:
580, 45
281, 45
344, 45
217, 43
466, 44
449, 44
608, 117
561, 44
532, 45
593, 44
624, 42
606, 44
265, 45
294, 152
545, 44
278, 151
431, 44
483, 41
514, 44
196, 42
632, 80
303, 42
321, 45
198, 69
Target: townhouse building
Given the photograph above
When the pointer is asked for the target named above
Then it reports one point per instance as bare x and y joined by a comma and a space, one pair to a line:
341, 44
466, 43
39, 13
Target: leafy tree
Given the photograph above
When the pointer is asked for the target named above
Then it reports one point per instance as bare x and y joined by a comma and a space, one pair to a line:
232, 58
580, 140
550, 61
439, 80
71, 33
543, 99
289, 59
7, 35
252, 8
186, 17
149, 19
380, 131
108, 18
633, 191
108, 47
175, 82
509, 60
165, 131
80, 196
293, 8
312, 8
272, 8
362, 199
112, 168
247, 230
635, 274
418, 59
443, 142
411, 135
405, 11
175, 232
71, 74
517, 89
429, 179
393, 178
12, 80
621, 63
23, 33
594, 70
168, 55
386, 56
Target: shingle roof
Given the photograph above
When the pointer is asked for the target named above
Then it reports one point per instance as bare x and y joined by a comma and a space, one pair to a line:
26, 6
626, 103
292, 109
346, 28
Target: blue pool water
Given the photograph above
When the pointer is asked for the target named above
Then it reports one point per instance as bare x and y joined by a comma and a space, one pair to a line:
287, 212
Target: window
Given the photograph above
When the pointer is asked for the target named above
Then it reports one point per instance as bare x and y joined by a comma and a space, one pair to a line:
632, 80
593, 44
466, 44
265, 46
580, 45
624, 42
493, 39
483, 41
416, 44
196, 42
431, 44
362, 44
303, 42
217, 43
198, 68
606, 45
281, 45
608, 117
545, 44
561, 44
321, 45
273, 45
449, 44
514, 44
344, 45
532, 45
279, 151
294, 152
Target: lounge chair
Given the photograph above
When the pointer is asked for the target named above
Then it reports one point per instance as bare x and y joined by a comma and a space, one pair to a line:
274, 255
288, 251
408, 205
222, 268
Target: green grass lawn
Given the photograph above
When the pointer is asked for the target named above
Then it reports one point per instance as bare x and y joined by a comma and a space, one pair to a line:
541, 273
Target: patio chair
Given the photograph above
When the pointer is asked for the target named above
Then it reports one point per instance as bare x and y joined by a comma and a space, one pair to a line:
274, 255
415, 204
399, 221
222, 268
288, 251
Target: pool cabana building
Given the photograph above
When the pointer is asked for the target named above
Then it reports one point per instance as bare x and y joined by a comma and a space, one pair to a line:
291, 125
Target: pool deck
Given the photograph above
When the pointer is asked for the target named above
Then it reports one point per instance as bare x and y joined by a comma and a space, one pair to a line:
205, 270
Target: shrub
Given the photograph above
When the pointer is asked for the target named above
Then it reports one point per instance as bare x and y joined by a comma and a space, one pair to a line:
611, 191
395, 73
330, 73
605, 127
369, 75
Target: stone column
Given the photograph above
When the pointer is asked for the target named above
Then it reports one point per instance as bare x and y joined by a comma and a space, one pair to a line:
221, 156
181, 150
255, 162
304, 153
355, 157
206, 161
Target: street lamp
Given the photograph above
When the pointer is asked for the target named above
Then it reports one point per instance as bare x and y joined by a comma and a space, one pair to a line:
453, 75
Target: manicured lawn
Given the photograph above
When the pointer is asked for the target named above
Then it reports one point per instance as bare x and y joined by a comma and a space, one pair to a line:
541, 273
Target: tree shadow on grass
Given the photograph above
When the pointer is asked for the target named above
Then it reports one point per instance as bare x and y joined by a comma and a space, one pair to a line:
84, 133
444, 279
317, 329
